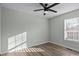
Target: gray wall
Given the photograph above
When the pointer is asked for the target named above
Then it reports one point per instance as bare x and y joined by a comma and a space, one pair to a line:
15, 22
0, 28
56, 30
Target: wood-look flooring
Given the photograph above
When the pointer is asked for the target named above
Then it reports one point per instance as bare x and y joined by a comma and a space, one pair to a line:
47, 49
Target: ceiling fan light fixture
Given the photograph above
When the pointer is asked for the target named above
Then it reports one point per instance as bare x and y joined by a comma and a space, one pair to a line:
45, 12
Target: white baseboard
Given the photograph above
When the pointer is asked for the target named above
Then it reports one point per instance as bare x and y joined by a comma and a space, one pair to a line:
64, 46
38, 44
56, 44
51, 42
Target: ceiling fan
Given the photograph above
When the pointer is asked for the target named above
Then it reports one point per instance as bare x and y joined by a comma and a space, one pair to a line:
46, 8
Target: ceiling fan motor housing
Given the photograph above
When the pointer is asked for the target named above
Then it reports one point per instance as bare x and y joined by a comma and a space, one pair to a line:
46, 4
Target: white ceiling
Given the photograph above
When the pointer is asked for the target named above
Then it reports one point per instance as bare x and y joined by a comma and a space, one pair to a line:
29, 7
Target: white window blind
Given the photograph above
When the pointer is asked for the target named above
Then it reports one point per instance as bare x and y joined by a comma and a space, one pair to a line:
71, 29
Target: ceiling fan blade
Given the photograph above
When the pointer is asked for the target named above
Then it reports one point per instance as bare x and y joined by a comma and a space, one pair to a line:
42, 5
38, 9
52, 10
53, 5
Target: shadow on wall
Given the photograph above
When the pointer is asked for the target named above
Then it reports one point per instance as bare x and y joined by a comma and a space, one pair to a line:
17, 42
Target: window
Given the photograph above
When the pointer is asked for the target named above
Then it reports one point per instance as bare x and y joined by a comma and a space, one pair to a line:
71, 29
17, 42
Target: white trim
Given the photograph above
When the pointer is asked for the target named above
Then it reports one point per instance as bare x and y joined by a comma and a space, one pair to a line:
64, 46
56, 44
37, 44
